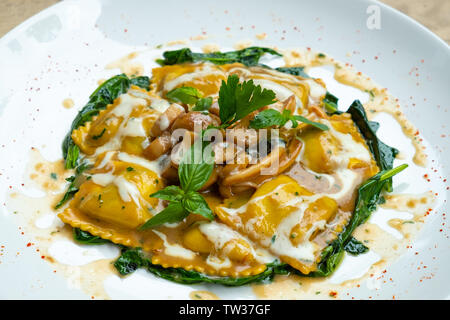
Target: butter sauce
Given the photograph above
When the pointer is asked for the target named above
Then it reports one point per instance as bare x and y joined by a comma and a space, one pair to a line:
49, 232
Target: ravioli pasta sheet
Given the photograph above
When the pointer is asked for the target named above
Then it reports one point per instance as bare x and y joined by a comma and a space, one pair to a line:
128, 152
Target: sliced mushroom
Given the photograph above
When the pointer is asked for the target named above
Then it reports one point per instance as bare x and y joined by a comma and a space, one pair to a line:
290, 104
318, 111
192, 119
158, 147
166, 120
252, 177
215, 108
182, 146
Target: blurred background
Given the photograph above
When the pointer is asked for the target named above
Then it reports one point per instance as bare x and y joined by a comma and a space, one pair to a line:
434, 14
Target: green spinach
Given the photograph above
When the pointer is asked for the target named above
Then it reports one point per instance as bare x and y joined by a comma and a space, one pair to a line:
384, 155
75, 182
85, 237
295, 71
369, 195
105, 94
248, 56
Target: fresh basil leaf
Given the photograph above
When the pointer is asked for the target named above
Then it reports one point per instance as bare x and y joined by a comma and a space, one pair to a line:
295, 71
317, 125
268, 118
194, 170
186, 95
195, 203
384, 155
203, 104
237, 100
174, 212
85, 237
169, 193
355, 247
248, 56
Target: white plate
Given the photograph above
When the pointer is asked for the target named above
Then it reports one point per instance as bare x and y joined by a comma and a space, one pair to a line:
61, 53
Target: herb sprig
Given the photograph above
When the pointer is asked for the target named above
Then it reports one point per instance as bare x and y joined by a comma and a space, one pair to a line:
271, 117
191, 96
194, 171
237, 100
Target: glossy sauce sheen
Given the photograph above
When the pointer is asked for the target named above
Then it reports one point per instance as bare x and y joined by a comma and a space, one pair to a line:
121, 146
114, 202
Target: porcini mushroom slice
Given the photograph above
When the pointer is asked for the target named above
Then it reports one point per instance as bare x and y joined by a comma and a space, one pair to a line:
285, 158
290, 104
165, 120
158, 147
193, 119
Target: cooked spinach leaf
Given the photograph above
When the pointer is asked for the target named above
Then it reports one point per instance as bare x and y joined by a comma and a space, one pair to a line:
75, 182
132, 259
142, 82
248, 56
384, 155
105, 94
331, 103
369, 195
355, 247
85, 237
295, 71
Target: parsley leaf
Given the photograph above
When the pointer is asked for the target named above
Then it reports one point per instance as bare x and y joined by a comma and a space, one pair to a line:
237, 100
268, 118
271, 117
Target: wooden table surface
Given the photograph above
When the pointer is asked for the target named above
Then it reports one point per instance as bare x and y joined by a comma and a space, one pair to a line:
434, 14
